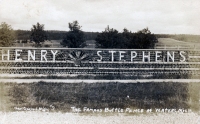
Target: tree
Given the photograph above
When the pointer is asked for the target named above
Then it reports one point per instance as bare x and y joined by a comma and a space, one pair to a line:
38, 34
128, 37
74, 38
143, 39
7, 35
110, 38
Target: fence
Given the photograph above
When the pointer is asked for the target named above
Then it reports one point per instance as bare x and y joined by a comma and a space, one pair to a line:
85, 61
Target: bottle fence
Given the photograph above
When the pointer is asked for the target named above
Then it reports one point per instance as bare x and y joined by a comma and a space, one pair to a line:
128, 62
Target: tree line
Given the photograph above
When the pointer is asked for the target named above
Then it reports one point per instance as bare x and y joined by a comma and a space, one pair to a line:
111, 38
24, 35
75, 37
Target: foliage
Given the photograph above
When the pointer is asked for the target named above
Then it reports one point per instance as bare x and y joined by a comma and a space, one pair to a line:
52, 34
74, 37
111, 38
38, 34
23, 34
55, 35
90, 35
142, 40
7, 35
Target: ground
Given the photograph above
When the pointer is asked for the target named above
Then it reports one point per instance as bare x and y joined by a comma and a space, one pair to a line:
171, 43
74, 118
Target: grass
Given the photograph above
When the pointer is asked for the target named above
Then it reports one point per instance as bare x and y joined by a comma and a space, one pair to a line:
63, 96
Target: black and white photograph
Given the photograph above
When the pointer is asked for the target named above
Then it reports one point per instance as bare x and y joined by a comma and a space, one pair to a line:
99, 62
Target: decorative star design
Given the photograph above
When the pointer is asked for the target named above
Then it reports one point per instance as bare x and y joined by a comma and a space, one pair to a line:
77, 57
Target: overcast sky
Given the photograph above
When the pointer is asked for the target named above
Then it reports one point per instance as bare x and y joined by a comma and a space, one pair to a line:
160, 16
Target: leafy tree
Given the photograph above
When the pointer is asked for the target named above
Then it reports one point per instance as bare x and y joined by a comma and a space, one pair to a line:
7, 35
38, 34
143, 39
110, 38
74, 38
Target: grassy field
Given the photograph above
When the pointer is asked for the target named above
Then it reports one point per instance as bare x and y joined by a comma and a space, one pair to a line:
181, 37
63, 96
170, 42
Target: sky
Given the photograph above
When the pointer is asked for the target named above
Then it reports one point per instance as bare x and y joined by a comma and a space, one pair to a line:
160, 16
